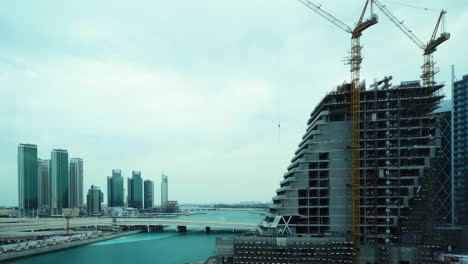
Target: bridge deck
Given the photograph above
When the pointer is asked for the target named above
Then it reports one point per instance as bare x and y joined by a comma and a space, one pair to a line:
31, 224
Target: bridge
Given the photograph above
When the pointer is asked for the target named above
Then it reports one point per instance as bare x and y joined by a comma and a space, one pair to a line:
10, 227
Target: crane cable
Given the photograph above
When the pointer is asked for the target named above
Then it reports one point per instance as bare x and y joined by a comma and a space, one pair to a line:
279, 123
412, 6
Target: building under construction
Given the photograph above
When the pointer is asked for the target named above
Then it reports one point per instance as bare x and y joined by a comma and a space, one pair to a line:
365, 170
399, 141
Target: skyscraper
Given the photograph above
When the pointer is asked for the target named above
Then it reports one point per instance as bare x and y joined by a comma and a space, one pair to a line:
460, 149
148, 194
115, 189
135, 190
129, 192
399, 142
164, 190
94, 199
43, 179
59, 180
76, 182
442, 198
27, 178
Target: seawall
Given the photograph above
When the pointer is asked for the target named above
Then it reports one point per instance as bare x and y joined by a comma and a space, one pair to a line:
37, 251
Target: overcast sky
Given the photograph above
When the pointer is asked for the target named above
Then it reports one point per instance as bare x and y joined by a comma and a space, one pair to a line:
194, 89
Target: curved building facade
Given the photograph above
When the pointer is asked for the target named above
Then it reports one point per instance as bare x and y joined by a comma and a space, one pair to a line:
399, 141
400, 145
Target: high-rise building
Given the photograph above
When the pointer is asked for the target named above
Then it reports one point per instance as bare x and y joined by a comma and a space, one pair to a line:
59, 181
164, 190
27, 178
460, 149
43, 179
94, 199
115, 189
442, 198
129, 193
400, 140
148, 194
398, 145
76, 182
135, 190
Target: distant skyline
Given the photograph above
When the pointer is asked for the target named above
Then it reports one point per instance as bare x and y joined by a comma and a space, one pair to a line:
194, 89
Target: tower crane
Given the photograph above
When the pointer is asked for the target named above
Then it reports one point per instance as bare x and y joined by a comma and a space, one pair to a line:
429, 70
355, 62
68, 215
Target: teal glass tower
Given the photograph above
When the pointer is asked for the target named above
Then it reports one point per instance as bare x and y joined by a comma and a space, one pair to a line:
93, 201
135, 190
115, 189
59, 180
43, 181
27, 178
460, 149
76, 182
148, 187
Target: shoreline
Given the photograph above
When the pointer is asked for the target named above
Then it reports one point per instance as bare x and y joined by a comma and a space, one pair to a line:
39, 251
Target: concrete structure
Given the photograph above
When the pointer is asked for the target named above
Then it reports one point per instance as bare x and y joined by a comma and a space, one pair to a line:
148, 189
44, 184
460, 155
115, 189
164, 190
135, 190
397, 147
297, 250
400, 144
27, 178
94, 201
76, 182
59, 181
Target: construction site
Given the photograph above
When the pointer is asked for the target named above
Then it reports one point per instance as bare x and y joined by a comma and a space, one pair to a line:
363, 179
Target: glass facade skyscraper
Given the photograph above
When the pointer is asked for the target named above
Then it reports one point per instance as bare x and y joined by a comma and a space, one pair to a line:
135, 190
76, 182
43, 179
27, 178
148, 187
115, 189
94, 200
460, 149
59, 180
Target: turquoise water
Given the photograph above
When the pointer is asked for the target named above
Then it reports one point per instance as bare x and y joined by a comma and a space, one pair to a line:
166, 247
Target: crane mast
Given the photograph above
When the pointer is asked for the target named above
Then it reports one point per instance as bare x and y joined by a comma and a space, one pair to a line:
355, 62
429, 71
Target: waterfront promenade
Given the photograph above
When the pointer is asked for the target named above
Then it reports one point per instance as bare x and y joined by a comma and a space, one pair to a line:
42, 247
